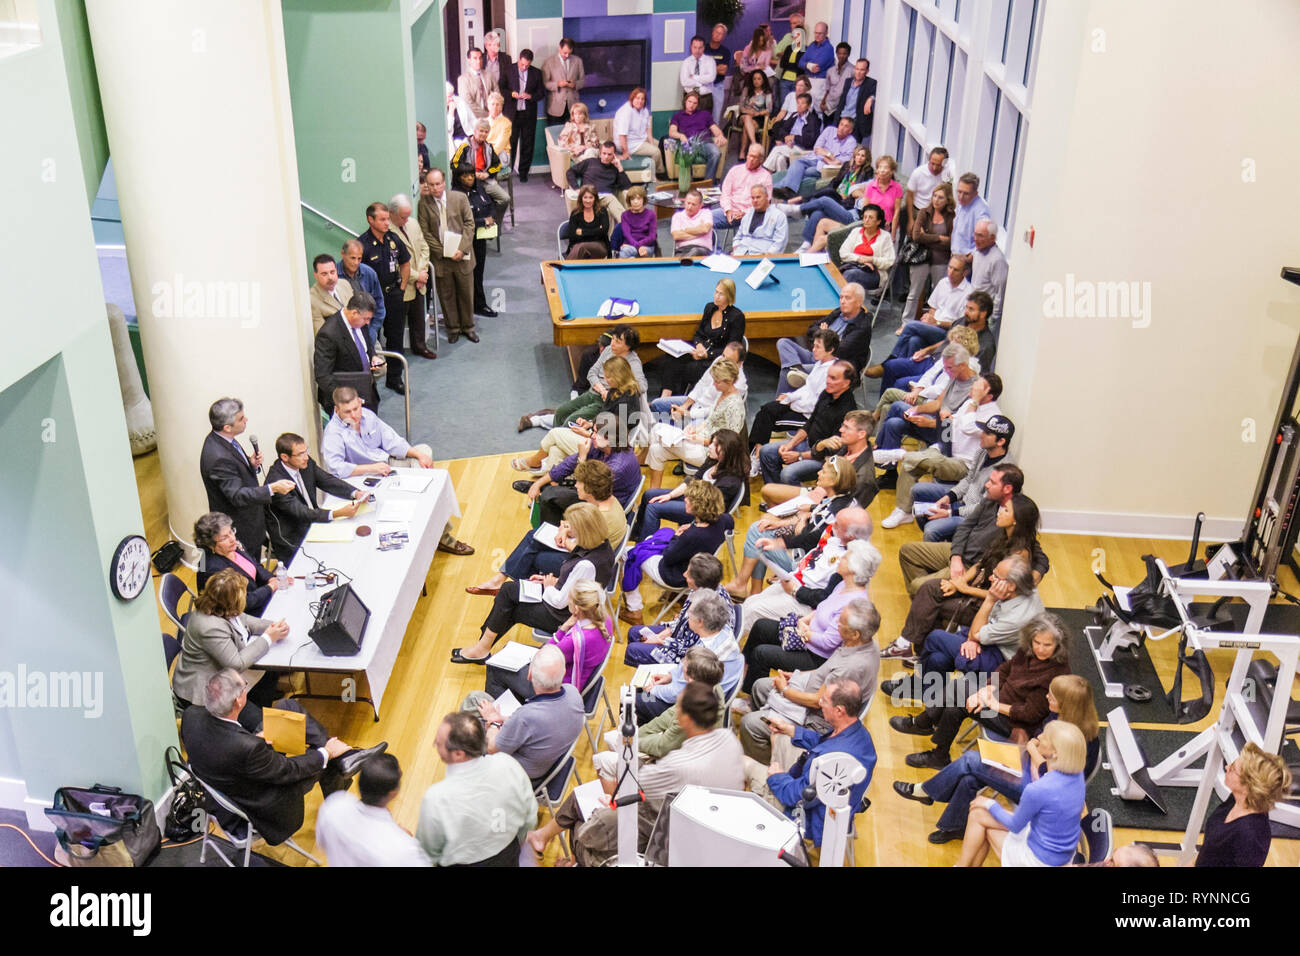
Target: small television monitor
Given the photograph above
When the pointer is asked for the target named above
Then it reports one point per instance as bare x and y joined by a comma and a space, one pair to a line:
612, 64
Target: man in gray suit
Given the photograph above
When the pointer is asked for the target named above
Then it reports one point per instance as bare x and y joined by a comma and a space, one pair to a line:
563, 76
445, 211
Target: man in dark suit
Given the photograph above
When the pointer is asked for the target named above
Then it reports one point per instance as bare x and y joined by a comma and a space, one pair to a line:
338, 359
521, 85
795, 135
230, 475
858, 100
265, 784
292, 513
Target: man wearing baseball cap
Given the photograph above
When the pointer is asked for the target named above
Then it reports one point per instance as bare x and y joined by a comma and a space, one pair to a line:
949, 460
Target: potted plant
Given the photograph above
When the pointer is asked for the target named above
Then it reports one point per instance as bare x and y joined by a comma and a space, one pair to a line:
688, 154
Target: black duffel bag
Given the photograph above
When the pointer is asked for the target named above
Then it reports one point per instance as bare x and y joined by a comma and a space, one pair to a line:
102, 826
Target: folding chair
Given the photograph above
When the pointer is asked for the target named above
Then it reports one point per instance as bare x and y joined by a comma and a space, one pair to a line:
245, 842
630, 509
170, 592
550, 788
613, 590
592, 696
729, 539
1098, 837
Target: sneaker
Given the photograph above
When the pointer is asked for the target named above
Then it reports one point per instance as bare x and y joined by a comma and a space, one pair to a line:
740, 707
754, 469
888, 456
796, 377
900, 648
896, 517
573, 393
543, 421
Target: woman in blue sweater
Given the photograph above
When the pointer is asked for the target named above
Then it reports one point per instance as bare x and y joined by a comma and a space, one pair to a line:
1044, 830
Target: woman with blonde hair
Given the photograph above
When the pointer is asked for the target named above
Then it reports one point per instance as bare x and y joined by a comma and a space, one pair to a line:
579, 137
499, 131
1044, 830
664, 555
1238, 833
619, 410
720, 324
585, 635
590, 559
691, 444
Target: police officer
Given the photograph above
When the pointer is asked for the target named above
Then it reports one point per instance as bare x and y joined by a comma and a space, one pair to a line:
384, 252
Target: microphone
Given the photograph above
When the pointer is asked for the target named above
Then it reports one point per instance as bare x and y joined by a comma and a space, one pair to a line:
256, 451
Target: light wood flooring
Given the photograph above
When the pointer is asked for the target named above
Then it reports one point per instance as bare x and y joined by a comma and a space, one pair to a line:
425, 686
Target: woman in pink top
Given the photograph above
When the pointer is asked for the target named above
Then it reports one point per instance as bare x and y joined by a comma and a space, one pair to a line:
885, 191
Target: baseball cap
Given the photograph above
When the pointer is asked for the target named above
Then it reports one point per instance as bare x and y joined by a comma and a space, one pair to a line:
998, 425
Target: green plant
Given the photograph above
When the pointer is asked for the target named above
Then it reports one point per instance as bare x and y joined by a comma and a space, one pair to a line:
719, 11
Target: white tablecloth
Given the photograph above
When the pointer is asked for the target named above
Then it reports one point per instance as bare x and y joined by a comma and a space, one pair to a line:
388, 583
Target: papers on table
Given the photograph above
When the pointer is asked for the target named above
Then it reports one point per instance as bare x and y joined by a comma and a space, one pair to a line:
675, 347
397, 511
547, 536
645, 671
614, 308
786, 508
330, 533
781, 573
591, 797
813, 259
530, 592
412, 479
507, 703
513, 656
1000, 755
761, 272
721, 262
450, 243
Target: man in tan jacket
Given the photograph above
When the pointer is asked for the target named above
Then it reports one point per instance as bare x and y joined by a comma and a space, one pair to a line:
410, 235
329, 294
563, 76
442, 212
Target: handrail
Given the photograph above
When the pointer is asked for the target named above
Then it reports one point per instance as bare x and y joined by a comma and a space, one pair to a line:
329, 219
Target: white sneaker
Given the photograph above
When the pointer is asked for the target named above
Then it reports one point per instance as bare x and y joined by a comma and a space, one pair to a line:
900, 649
888, 456
573, 393
790, 209
543, 421
804, 247
754, 468
740, 707
896, 517
795, 378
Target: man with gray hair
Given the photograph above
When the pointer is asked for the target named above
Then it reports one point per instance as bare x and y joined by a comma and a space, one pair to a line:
850, 322
793, 696
362, 278
927, 421
542, 730
408, 232
230, 475
989, 266
713, 620
224, 742
477, 155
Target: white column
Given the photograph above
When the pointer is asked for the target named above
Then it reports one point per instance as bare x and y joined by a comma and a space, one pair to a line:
196, 101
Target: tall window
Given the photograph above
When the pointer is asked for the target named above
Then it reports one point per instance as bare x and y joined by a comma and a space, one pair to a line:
20, 26
956, 73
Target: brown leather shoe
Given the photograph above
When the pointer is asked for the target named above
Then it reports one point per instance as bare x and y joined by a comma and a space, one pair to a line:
453, 337
472, 336
874, 371
628, 616
426, 353
525, 423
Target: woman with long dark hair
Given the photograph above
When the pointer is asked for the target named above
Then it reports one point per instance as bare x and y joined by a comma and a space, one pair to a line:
727, 467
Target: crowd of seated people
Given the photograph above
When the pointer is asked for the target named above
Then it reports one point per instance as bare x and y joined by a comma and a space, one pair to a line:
791, 642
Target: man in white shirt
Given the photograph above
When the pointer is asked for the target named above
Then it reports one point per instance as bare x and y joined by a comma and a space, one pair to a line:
362, 832
964, 446
359, 442
763, 230
699, 404
698, 73
920, 185
947, 304
791, 409
989, 266
632, 135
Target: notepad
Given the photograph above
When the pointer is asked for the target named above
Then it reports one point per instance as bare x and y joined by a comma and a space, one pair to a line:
486, 232
330, 533
513, 656
396, 511
450, 243
547, 536
721, 262
675, 347
507, 703
409, 479
786, 508
285, 730
590, 797
645, 671
530, 592
1003, 756
813, 259
923, 509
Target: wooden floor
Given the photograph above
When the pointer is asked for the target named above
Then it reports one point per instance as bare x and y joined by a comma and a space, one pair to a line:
425, 686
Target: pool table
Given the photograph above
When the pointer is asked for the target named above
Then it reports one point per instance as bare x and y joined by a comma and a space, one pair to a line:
672, 297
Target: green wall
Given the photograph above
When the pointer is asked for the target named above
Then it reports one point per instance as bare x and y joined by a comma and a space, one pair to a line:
75, 497
351, 117
87, 114
429, 66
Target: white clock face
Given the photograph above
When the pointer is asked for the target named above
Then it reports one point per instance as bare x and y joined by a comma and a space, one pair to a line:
129, 572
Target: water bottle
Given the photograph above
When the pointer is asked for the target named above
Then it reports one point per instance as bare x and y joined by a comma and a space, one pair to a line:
282, 574
309, 582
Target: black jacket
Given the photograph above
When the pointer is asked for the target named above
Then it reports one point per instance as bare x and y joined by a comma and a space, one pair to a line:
532, 86
827, 416
855, 340
259, 591
336, 361
264, 783
807, 139
290, 515
862, 117
233, 490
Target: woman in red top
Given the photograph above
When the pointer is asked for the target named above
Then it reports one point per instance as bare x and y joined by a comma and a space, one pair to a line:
867, 255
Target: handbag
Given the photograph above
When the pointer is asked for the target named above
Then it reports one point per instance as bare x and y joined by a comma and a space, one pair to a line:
102, 826
912, 253
187, 814
788, 630
167, 557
